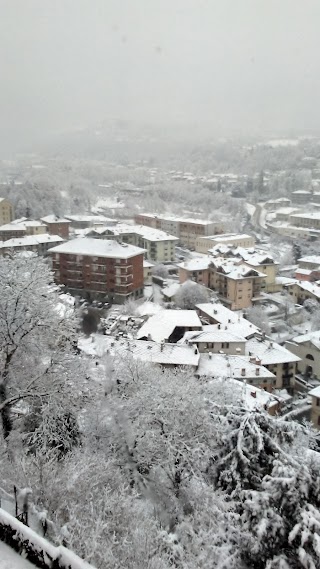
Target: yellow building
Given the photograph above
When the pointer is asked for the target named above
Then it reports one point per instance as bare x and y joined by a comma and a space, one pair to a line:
6, 211
237, 285
204, 243
276, 358
307, 348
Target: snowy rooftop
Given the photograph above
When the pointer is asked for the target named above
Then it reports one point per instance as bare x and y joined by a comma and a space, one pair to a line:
314, 259
269, 352
310, 287
210, 334
237, 367
146, 351
144, 231
54, 219
233, 320
313, 337
30, 240
13, 227
251, 397
160, 326
315, 392
234, 269
98, 248
179, 219
228, 237
196, 264
312, 215
89, 218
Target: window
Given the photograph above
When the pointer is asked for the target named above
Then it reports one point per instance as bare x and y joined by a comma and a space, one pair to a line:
318, 403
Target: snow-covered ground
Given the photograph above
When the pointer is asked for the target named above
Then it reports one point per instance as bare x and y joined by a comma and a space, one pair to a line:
9, 559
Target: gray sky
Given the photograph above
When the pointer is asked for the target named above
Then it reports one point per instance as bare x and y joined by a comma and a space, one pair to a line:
244, 64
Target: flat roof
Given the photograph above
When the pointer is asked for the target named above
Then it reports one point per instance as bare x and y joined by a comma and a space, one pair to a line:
87, 246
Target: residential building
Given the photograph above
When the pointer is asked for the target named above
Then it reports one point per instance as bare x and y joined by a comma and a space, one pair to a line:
204, 244
301, 290
187, 230
301, 197
147, 272
215, 340
21, 227
219, 315
169, 325
255, 377
307, 348
315, 407
6, 211
309, 262
164, 354
276, 358
159, 245
283, 214
309, 220
237, 285
85, 221
57, 225
37, 243
196, 270
255, 258
97, 268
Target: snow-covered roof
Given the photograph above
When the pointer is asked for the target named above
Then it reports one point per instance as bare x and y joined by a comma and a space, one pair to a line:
312, 215
233, 320
269, 352
228, 236
236, 367
306, 272
146, 351
13, 227
310, 287
313, 337
54, 219
314, 259
98, 248
160, 326
234, 269
148, 233
179, 219
89, 218
30, 240
196, 264
212, 335
147, 264
315, 392
250, 396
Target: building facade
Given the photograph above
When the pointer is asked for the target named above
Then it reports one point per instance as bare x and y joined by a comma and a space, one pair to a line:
6, 211
99, 269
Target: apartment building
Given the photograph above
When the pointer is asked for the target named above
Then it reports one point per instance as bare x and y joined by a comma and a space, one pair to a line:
301, 197
276, 358
187, 230
307, 348
57, 225
86, 221
159, 246
21, 227
217, 314
196, 270
99, 268
216, 340
6, 211
237, 285
309, 220
36, 243
205, 243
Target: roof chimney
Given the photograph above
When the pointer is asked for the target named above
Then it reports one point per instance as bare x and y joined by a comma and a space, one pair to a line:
253, 394
257, 371
243, 372
210, 355
161, 346
219, 326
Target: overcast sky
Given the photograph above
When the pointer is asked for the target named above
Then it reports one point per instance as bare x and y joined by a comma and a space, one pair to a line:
252, 65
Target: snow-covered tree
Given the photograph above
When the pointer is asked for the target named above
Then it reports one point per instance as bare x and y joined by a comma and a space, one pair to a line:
259, 317
191, 294
37, 361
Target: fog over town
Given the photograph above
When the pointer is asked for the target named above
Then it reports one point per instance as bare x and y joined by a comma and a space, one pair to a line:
159, 284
